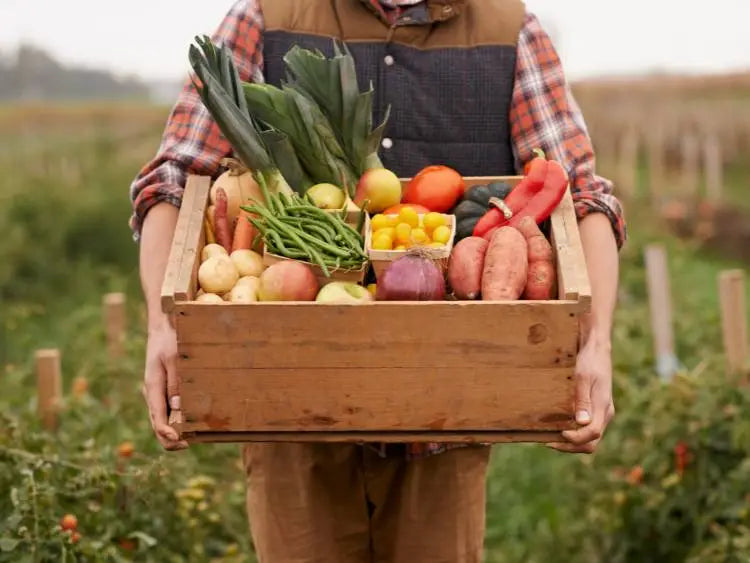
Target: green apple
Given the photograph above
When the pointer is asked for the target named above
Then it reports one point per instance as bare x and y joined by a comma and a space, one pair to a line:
343, 293
327, 196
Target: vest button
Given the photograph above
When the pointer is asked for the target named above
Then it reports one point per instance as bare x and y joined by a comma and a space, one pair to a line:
387, 143
389, 60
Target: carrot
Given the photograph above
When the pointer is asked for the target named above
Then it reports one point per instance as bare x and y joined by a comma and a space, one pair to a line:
221, 221
210, 238
541, 279
244, 232
506, 266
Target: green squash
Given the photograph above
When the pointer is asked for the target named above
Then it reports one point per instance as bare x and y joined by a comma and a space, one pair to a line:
474, 204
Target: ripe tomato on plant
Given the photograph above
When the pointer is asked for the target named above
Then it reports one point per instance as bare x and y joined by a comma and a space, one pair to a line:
437, 187
69, 522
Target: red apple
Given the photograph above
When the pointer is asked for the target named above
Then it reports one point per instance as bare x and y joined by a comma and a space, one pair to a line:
381, 187
288, 281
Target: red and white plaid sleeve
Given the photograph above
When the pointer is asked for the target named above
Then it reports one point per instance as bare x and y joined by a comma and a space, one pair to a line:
192, 142
545, 115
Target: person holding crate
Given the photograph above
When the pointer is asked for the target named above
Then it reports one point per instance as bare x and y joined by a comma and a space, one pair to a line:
473, 84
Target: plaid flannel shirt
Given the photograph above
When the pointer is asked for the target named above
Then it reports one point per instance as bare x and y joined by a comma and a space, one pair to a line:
543, 114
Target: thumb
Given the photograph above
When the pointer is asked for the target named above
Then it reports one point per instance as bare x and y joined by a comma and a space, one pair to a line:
583, 398
173, 383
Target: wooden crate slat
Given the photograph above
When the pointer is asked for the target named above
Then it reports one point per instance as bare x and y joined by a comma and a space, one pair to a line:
377, 437
378, 399
185, 283
175, 260
457, 335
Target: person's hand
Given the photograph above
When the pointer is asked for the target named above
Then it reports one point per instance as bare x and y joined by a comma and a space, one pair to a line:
160, 384
594, 406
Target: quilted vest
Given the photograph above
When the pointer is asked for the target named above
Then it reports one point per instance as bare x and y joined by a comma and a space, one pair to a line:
448, 79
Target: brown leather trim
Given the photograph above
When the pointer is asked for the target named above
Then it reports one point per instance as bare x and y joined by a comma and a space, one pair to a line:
477, 23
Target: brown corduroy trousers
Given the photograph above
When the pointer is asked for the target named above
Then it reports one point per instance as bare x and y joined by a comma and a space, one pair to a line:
342, 503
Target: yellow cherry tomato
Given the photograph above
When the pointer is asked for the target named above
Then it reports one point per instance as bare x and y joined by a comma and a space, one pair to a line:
436, 245
372, 288
379, 221
441, 234
382, 242
403, 233
418, 236
434, 220
390, 231
409, 216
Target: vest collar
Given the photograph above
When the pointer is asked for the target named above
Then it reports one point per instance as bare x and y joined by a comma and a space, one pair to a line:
426, 12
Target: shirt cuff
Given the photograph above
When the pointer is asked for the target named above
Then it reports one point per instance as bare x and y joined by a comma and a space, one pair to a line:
147, 198
587, 203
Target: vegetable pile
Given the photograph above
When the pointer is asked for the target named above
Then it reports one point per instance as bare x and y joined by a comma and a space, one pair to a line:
305, 204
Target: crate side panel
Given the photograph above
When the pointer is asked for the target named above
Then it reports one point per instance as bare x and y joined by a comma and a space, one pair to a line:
380, 335
377, 399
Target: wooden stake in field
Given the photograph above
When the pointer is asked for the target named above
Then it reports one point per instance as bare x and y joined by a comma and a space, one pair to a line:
713, 168
690, 166
660, 303
49, 387
114, 323
733, 319
656, 156
628, 163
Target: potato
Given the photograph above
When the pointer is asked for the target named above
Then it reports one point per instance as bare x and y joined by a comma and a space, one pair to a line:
212, 249
506, 266
248, 263
209, 298
218, 274
465, 267
242, 293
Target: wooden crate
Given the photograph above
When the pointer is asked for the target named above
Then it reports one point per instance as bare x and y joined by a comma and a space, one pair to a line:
451, 371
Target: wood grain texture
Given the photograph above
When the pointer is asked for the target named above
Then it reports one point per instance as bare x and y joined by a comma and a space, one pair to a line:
377, 399
377, 335
377, 437
49, 387
572, 274
186, 283
175, 260
733, 319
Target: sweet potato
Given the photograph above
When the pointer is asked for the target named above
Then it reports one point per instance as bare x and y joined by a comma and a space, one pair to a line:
541, 281
465, 267
539, 246
506, 266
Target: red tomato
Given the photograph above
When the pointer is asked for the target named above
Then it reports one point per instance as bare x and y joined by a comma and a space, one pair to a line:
69, 522
397, 208
437, 188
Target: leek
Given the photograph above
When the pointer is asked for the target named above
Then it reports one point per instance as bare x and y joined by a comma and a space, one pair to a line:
332, 84
221, 92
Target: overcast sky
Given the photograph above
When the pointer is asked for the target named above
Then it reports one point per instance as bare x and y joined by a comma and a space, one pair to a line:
151, 37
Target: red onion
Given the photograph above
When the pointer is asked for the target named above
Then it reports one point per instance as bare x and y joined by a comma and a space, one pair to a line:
412, 277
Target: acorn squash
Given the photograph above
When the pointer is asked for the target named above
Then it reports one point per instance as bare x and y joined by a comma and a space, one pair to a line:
475, 202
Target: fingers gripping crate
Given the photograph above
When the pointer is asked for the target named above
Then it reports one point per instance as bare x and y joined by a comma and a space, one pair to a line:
451, 371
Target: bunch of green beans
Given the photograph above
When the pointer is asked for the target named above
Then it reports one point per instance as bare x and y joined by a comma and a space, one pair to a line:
294, 227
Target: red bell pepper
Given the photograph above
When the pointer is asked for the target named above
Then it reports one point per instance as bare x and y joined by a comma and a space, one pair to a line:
518, 198
541, 206
537, 196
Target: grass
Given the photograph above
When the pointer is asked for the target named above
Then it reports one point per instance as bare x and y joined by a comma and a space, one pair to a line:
64, 214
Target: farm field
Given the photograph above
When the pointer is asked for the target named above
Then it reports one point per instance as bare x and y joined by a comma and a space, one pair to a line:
671, 481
